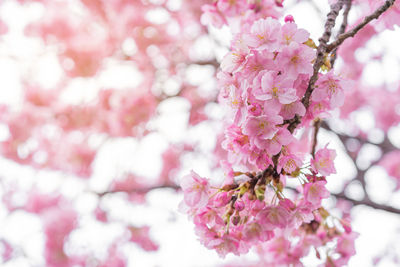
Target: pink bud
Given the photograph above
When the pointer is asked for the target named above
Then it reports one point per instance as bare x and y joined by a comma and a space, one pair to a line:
289, 18
239, 205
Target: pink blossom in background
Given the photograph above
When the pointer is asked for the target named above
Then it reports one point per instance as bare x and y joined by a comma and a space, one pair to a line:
323, 161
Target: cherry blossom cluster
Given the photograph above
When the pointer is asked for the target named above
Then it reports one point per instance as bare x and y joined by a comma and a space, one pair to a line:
236, 217
263, 82
273, 198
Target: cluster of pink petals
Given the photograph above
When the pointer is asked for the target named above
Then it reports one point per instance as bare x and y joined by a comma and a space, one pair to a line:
263, 80
230, 221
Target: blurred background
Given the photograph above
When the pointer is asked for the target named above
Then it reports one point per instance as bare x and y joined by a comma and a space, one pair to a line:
105, 105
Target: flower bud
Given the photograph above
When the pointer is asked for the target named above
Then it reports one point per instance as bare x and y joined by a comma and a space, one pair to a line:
235, 220
239, 205
289, 18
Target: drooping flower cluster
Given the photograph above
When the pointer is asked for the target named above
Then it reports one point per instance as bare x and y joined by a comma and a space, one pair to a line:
263, 80
236, 217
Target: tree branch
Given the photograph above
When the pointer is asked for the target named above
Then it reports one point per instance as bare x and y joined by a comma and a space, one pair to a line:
357, 28
140, 190
367, 202
322, 48
386, 146
317, 124
342, 29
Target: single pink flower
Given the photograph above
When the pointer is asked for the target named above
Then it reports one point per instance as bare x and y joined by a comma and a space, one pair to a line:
265, 34
323, 161
329, 87
290, 33
272, 217
289, 163
274, 145
315, 192
296, 59
274, 86
195, 190
261, 127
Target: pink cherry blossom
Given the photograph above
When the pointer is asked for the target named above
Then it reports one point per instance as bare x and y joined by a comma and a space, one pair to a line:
195, 190
330, 87
314, 192
290, 33
275, 86
264, 34
273, 145
295, 59
262, 127
323, 161
289, 163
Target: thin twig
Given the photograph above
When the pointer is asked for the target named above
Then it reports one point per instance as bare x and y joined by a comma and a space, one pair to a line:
342, 29
357, 28
142, 190
322, 49
317, 124
319, 61
386, 146
367, 202
364, 202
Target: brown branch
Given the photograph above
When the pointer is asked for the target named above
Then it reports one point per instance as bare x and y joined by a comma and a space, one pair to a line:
386, 146
317, 124
342, 29
367, 202
367, 19
322, 48
212, 62
140, 190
